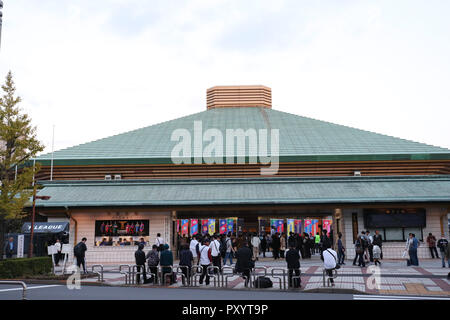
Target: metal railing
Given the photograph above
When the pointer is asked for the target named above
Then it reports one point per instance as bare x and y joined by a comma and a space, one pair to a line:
186, 279
100, 274
256, 275
280, 276
165, 274
227, 275
24, 286
328, 278
215, 274
292, 280
195, 273
126, 273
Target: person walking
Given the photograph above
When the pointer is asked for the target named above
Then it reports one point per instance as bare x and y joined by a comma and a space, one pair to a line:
293, 265
153, 262
306, 246
276, 245
215, 253
378, 240
186, 259
341, 250
57, 255
9, 248
256, 241
376, 254
413, 246
193, 246
431, 241
244, 262
263, 244
283, 244
205, 260
329, 258
166, 261
139, 257
442, 244
359, 251
160, 242
369, 245
316, 243
79, 251
229, 250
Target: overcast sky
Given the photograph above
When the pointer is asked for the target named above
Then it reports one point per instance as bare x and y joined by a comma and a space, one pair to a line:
103, 67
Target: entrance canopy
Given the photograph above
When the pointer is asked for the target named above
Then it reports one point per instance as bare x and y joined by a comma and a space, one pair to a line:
46, 227
246, 191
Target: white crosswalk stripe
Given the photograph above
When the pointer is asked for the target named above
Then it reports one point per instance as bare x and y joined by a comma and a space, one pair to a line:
373, 297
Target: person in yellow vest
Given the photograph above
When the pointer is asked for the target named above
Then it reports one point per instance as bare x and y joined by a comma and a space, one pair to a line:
316, 243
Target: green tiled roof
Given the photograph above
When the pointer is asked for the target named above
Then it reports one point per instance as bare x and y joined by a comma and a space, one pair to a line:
247, 191
301, 139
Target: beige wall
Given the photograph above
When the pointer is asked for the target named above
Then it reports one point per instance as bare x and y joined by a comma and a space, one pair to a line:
159, 223
394, 250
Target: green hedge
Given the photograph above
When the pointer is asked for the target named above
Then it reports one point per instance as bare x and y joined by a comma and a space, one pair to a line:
18, 268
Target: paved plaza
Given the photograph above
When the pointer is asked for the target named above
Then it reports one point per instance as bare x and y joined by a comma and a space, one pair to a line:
429, 279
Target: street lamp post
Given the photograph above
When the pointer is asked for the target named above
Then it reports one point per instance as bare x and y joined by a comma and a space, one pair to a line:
30, 249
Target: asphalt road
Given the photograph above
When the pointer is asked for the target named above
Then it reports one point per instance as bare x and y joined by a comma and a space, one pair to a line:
61, 292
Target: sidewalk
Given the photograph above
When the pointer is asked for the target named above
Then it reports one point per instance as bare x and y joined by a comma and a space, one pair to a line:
429, 279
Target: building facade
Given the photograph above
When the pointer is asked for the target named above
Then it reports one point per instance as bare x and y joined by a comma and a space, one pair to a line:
242, 166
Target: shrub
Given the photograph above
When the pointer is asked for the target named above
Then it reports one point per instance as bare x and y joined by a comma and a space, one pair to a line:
18, 268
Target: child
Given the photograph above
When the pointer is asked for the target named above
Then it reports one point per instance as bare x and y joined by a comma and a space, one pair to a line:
376, 254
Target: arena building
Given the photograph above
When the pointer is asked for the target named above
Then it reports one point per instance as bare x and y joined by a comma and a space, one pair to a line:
197, 174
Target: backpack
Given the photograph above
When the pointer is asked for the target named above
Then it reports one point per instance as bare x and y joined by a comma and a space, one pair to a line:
77, 250
262, 282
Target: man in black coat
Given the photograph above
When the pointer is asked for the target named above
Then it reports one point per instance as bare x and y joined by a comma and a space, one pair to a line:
293, 264
79, 252
244, 261
276, 245
139, 255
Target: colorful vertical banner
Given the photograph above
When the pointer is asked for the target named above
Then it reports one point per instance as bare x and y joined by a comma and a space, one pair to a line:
211, 226
185, 227
230, 225
326, 224
278, 224
204, 226
223, 226
315, 226
194, 227
178, 226
308, 226
297, 226
290, 226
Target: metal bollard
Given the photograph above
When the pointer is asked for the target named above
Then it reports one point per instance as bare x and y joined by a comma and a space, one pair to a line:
126, 273
24, 286
294, 277
227, 275
135, 273
334, 276
280, 277
163, 275
152, 275
196, 274
257, 274
100, 274
214, 275
184, 279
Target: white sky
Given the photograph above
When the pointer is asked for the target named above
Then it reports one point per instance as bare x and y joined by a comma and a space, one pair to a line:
103, 67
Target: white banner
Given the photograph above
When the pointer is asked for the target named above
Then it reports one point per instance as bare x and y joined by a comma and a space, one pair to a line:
20, 245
